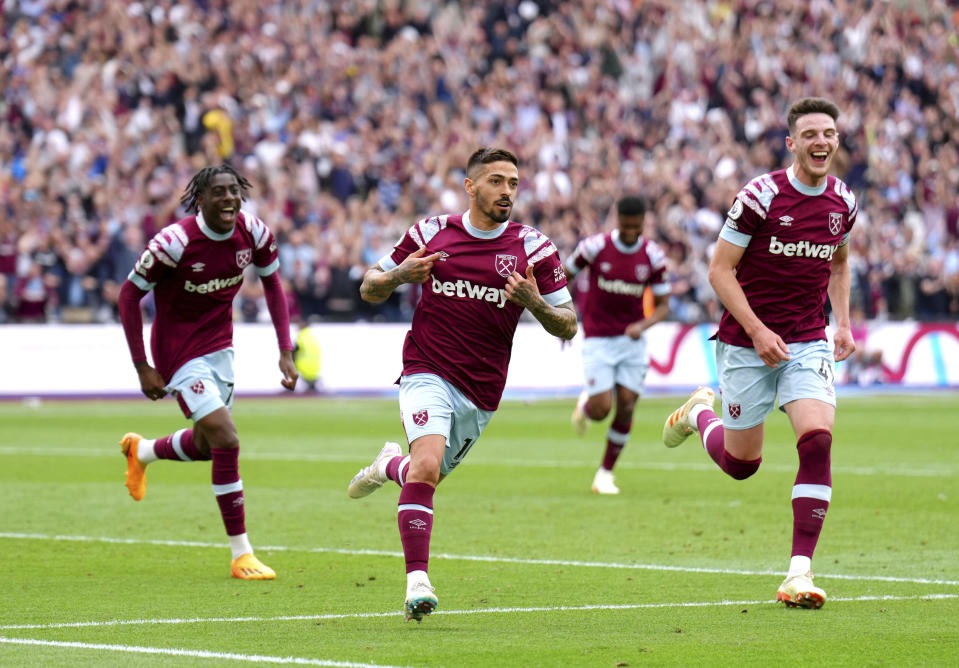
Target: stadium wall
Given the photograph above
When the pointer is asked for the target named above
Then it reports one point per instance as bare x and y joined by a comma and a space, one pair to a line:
362, 359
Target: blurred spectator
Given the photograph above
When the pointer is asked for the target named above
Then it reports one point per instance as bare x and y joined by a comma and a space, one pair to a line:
348, 115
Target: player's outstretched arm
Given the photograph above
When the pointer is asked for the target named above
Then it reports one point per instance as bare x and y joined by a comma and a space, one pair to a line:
557, 320
840, 280
378, 285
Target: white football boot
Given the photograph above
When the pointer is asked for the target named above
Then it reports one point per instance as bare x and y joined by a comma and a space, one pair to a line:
798, 591
604, 483
678, 426
420, 597
372, 477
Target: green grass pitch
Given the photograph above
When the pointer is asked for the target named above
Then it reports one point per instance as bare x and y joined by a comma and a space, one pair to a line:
530, 568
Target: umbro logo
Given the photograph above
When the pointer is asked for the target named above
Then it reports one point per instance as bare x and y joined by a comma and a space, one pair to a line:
198, 266
819, 513
418, 524
786, 220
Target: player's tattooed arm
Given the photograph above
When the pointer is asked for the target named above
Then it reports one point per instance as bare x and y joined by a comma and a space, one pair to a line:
557, 320
378, 285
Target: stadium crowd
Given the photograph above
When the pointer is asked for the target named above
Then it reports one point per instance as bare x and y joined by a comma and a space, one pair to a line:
354, 118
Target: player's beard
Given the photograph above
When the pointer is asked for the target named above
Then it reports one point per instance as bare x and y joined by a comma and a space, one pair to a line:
498, 214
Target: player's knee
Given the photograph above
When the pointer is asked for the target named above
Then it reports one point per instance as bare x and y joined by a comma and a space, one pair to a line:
425, 469
814, 449
222, 436
740, 469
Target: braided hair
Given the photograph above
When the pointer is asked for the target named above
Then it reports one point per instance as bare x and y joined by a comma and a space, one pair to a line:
202, 180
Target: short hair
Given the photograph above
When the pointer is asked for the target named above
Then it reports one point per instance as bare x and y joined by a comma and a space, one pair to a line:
485, 155
810, 105
631, 205
202, 180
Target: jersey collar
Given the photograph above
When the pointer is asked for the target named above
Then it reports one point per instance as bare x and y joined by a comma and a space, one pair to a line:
210, 232
802, 187
482, 234
623, 248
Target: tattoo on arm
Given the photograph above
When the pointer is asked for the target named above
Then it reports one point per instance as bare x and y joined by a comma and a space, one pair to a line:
557, 320
377, 285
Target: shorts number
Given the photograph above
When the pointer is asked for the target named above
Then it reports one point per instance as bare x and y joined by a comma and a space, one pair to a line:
467, 444
825, 370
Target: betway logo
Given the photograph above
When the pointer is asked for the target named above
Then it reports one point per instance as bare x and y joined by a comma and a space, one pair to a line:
212, 286
802, 249
621, 287
466, 289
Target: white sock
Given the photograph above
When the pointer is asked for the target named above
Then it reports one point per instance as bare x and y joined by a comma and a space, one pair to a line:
799, 565
240, 545
416, 576
694, 415
145, 452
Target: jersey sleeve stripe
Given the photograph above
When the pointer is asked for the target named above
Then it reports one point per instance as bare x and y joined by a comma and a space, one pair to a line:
269, 269
430, 227
660, 289
736, 238
157, 252
545, 251
386, 263
257, 228
558, 297
139, 281
416, 237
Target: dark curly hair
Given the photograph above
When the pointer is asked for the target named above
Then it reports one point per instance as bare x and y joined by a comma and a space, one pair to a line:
202, 180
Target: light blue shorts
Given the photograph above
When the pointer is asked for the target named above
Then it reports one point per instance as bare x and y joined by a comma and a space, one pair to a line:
204, 384
431, 405
749, 388
615, 360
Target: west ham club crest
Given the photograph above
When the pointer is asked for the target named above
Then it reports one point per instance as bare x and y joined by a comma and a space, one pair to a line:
835, 223
735, 410
505, 265
420, 418
243, 257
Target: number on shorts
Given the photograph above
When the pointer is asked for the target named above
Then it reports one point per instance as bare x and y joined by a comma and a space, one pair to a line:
467, 444
825, 370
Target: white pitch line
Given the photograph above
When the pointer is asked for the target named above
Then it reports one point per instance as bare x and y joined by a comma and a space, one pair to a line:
476, 611
471, 557
202, 654
945, 470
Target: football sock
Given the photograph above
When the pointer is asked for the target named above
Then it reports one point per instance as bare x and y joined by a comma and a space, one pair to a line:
799, 565
812, 490
415, 520
178, 446
240, 545
616, 439
146, 450
228, 489
711, 431
397, 468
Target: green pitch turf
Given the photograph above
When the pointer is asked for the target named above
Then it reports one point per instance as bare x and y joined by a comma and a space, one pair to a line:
530, 568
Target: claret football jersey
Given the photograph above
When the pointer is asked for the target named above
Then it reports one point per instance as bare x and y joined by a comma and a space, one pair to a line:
618, 276
790, 232
195, 273
463, 325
